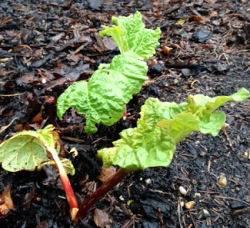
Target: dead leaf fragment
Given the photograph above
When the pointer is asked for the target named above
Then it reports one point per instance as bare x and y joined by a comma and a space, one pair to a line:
101, 218
106, 173
6, 202
198, 19
166, 50
29, 197
5, 21
3, 128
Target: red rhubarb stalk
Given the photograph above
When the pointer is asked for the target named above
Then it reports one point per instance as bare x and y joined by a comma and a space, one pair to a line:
70, 195
100, 192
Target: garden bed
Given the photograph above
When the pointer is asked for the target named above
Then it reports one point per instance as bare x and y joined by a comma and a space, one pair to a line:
46, 46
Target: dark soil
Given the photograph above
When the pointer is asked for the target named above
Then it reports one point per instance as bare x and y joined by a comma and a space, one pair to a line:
47, 45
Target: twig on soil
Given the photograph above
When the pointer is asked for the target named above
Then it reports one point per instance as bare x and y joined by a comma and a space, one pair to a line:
11, 95
128, 189
159, 191
217, 213
232, 198
99, 139
209, 166
224, 130
241, 211
71, 139
3, 128
179, 214
194, 223
79, 49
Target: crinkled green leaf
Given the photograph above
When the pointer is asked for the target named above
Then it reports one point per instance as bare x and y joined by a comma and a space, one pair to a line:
147, 145
241, 95
130, 34
27, 150
73, 97
212, 124
204, 107
161, 126
102, 99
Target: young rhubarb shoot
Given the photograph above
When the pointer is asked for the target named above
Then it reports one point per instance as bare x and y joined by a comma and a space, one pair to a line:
102, 99
28, 150
161, 127
70, 195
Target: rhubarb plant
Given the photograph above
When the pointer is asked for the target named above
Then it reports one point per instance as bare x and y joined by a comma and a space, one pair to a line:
102, 99
29, 150
162, 126
152, 143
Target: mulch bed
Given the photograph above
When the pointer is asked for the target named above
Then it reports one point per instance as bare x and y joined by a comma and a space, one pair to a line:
47, 45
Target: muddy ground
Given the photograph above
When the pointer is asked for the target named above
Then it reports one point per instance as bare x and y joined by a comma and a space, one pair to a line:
47, 45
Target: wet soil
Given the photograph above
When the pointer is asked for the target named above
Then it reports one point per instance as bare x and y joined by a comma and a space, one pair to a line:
47, 45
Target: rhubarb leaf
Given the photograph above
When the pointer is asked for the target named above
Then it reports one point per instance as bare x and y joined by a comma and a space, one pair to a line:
102, 99
28, 149
75, 96
161, 126
211, 121
130, 34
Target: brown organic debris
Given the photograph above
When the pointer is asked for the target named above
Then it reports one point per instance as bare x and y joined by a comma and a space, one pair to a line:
106, 173
6, 203
101, 218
